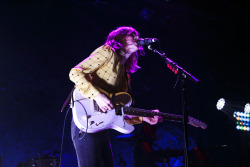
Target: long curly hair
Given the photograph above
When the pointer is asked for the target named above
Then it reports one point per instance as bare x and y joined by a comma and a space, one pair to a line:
117, 41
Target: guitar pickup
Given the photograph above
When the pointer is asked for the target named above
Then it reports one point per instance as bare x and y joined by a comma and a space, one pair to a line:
118, 109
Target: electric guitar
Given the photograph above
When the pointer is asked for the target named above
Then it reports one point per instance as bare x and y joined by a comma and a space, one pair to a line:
89, 118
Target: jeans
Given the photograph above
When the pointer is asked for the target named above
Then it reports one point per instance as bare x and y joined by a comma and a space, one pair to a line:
92, 149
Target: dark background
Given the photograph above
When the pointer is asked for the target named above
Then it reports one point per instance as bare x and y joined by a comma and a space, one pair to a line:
40, 41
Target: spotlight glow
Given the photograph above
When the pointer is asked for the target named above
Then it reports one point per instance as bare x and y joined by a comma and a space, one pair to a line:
220, 104
234, 110
247, 108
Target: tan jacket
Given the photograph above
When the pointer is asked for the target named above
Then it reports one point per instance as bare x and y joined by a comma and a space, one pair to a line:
102, 70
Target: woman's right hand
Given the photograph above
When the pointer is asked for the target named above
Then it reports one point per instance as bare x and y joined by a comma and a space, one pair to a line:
103, 102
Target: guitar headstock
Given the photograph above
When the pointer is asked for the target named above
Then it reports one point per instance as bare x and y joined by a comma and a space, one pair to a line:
196, 123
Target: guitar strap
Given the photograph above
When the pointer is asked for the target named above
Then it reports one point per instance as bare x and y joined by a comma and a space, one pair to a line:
130, 91
117, 84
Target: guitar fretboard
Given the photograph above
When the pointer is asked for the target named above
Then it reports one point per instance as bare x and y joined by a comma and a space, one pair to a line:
150, 113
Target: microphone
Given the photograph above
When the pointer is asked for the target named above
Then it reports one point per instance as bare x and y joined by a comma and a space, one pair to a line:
146, 41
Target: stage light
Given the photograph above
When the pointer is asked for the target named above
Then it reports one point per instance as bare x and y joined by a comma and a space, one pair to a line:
235, 115
247, 108
237, 112
238, 127
243, 120
220, 104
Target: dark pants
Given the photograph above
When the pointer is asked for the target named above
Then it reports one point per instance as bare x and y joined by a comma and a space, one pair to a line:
93, 149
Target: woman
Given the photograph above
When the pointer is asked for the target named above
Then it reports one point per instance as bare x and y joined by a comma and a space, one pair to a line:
105, 71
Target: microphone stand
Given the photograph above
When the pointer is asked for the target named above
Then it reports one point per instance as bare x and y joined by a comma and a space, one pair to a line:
183, 75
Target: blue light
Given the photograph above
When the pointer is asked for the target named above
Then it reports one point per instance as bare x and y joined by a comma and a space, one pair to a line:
238, 127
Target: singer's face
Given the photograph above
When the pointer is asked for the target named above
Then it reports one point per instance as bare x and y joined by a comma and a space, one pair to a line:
131, 44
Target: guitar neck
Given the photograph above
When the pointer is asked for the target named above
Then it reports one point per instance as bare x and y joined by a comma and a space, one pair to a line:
150, 113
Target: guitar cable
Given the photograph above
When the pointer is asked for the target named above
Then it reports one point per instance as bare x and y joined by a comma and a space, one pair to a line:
60, 158
80, 132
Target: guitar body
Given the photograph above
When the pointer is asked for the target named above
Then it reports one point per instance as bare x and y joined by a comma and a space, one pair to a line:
90, 119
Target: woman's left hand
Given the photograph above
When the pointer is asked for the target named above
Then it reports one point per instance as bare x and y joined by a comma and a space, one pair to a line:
154, 120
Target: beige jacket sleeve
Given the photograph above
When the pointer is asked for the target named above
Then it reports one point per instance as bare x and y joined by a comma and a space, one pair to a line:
134, 120
81, 74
